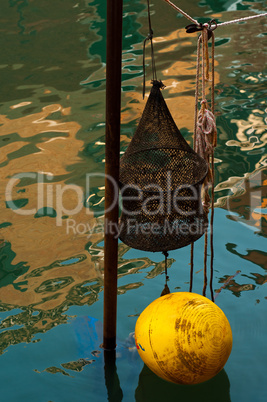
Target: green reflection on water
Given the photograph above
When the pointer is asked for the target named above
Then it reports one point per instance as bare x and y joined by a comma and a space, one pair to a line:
10, 272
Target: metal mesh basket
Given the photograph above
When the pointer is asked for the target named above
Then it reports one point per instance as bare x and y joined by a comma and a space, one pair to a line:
160, 181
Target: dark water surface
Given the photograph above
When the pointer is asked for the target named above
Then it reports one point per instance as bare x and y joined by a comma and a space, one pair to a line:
52, 134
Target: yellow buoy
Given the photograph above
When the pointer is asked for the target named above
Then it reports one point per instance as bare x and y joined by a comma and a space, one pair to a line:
183, 338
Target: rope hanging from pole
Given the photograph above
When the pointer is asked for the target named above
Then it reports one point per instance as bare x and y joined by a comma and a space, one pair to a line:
149, 38
205, 139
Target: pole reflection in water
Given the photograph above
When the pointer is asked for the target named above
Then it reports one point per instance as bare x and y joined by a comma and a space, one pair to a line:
111, 377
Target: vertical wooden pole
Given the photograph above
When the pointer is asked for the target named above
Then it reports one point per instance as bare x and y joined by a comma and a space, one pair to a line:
113, 109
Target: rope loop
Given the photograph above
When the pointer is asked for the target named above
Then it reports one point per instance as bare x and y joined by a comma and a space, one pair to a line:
211, 26
210, 23
206, 131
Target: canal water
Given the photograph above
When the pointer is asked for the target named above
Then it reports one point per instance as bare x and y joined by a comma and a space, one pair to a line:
52, 158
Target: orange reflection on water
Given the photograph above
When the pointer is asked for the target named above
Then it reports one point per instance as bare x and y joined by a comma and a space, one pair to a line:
179, 91
39, 242
249, 199
251, 133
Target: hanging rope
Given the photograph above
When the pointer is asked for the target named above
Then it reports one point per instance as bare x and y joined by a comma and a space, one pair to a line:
166, 289
205, 139
212, 170
192, 267
196, 92
149, 38
206, 134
